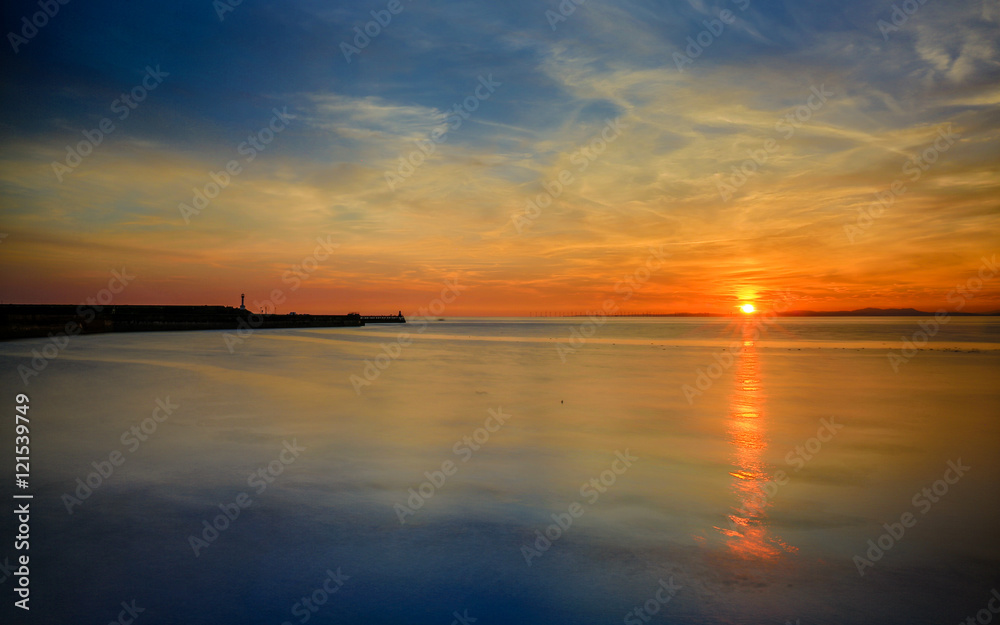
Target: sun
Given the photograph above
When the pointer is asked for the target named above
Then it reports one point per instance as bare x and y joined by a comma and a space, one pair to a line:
747, 308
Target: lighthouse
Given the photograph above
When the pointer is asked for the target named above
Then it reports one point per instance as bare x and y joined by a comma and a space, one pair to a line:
242, 300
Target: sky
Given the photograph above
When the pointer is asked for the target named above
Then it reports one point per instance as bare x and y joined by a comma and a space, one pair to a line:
536, 156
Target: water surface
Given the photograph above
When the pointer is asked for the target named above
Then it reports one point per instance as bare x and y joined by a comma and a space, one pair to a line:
809, 413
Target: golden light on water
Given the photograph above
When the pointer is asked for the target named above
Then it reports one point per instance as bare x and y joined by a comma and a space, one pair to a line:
748, 532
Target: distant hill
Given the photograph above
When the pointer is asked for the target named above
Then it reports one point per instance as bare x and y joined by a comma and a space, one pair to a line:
861, 312
877, 312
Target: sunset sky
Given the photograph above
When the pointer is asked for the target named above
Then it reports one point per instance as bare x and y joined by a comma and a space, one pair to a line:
865, 98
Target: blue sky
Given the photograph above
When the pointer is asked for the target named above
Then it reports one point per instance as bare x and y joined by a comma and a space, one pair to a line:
662, 182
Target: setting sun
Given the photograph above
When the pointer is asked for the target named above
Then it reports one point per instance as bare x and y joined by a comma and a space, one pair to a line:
263, 205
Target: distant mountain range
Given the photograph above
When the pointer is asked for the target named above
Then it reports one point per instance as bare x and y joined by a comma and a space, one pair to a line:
861, 312
879, 312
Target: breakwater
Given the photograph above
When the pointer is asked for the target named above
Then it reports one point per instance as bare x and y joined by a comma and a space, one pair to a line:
35, 320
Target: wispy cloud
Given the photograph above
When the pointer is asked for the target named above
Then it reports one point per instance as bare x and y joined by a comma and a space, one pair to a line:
658, 183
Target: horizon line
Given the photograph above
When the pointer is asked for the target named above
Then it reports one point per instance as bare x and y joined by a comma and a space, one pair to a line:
868, 311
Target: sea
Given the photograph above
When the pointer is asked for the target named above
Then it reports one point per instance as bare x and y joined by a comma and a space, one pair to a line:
512, 471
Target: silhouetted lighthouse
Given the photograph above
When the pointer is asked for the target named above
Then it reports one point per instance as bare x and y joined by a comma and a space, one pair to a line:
242, 299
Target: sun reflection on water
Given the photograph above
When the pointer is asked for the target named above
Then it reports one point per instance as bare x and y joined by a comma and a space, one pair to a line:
748, 533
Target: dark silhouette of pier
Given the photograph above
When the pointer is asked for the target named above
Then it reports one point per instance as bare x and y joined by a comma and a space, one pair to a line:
38, 320
384, 318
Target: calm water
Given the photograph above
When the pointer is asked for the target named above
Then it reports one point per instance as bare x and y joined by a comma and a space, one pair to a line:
750, 492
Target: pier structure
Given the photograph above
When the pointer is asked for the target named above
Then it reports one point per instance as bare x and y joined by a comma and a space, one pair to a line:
39, 320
